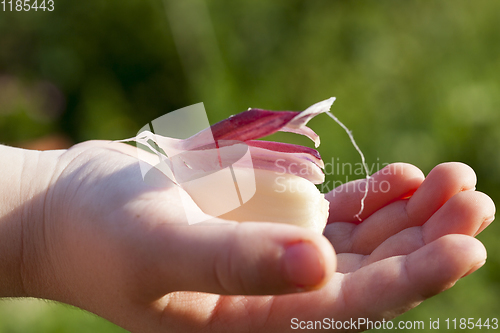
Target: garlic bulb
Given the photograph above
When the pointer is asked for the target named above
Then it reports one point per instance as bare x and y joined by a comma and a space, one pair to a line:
280, 190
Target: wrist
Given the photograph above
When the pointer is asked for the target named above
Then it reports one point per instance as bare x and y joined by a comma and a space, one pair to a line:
25, 176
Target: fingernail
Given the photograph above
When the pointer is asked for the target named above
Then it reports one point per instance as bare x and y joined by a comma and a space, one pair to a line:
303, 265
474, 268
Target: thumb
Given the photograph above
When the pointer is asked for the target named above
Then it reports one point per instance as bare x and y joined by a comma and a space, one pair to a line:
238, 259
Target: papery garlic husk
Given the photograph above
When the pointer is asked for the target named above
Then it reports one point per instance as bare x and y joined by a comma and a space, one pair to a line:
279, 198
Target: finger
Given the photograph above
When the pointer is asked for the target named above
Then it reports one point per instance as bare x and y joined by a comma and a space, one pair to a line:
234, 259
393, 182
466, 213
399, 283
444, 181
403, 243
350, 262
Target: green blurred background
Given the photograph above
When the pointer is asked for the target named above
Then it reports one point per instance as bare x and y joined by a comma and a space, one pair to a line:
416, 81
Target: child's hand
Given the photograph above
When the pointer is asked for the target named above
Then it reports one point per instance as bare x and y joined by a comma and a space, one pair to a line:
108, 243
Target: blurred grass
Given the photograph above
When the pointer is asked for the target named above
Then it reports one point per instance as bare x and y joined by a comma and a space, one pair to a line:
416, 81
33, 315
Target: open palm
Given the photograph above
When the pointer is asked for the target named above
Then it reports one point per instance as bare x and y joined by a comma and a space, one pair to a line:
120, 248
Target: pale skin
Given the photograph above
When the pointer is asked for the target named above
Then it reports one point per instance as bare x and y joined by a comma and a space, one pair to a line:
80, 226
